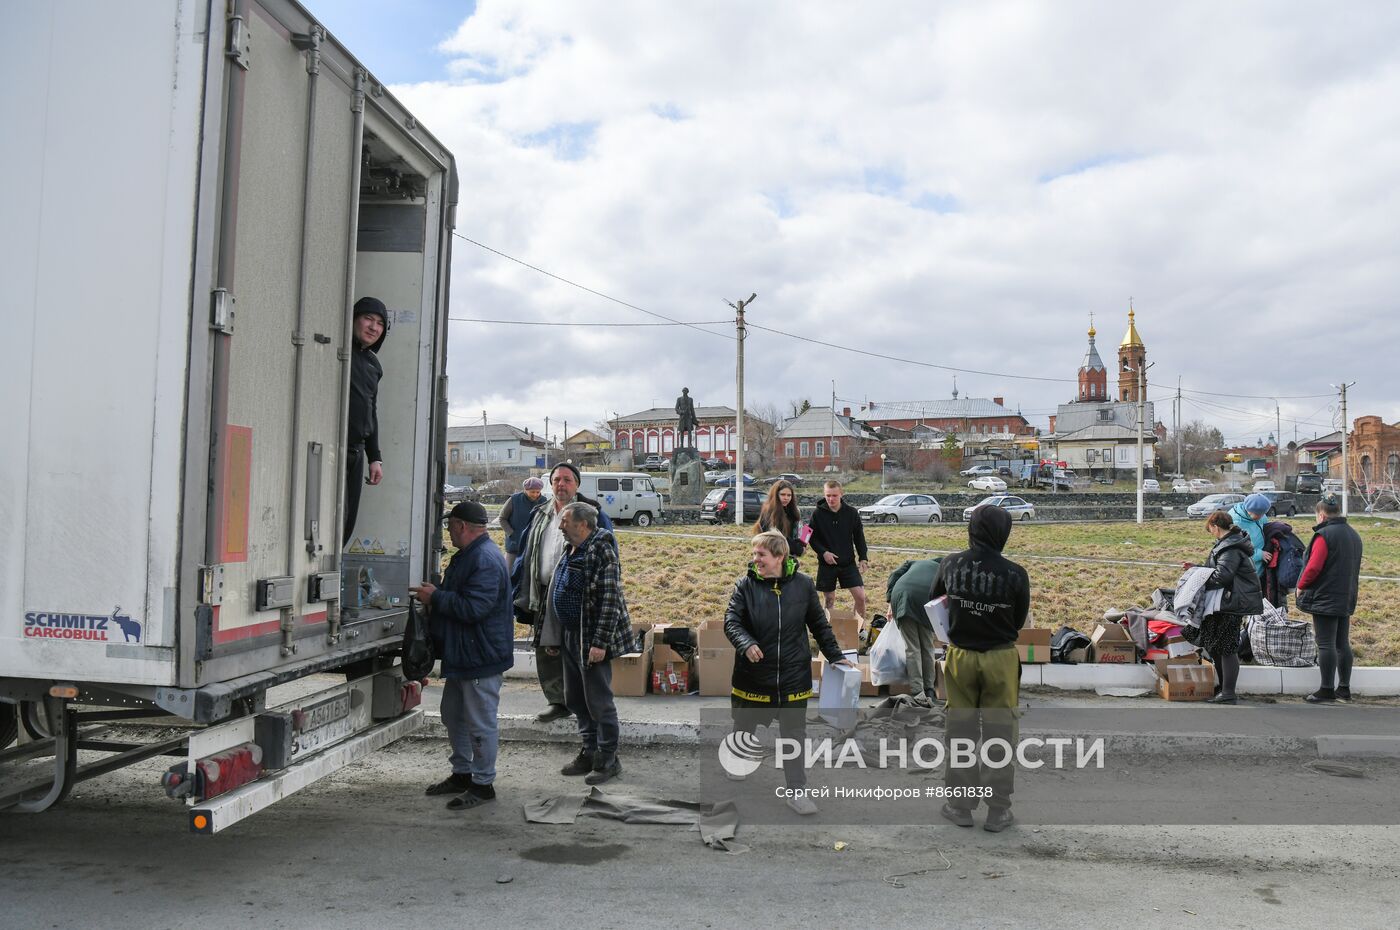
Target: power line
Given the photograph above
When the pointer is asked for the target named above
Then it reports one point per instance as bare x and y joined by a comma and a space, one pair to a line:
465, 319
585, 288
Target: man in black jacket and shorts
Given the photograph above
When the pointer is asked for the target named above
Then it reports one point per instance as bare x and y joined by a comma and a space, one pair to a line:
838, 539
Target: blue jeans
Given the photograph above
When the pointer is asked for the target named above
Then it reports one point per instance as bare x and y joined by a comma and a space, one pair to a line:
469, 714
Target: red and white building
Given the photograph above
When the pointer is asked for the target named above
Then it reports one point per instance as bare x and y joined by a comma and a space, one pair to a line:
654, 431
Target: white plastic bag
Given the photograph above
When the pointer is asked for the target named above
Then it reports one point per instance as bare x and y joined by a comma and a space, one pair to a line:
887, 663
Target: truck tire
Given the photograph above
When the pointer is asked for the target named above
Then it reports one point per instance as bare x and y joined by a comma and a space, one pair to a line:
642, 519
9, 725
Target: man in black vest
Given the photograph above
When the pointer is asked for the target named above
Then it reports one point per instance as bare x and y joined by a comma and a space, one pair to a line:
1327, 590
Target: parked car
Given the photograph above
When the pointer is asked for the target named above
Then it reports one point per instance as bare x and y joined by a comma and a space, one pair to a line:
1309, 484
1017, 507
903, 508
789, 477
1213, 502
1331, 485
1285, 504
1261, 486
1201, 484
718, 505
977, 471
987, 483
1181, 486
1150, 486
1260, 472
713, 462
652, 463
455, 495
727, 479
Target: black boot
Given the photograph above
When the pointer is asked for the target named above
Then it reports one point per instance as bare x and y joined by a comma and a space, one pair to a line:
1344, 694
582, 764
553, 712
605, 766
452, 784
1321, 696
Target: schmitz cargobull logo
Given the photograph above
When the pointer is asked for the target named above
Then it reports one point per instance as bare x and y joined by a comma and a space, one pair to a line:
91, 628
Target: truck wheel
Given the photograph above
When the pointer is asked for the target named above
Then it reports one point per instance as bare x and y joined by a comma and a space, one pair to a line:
642, 519
9, 725
36, 724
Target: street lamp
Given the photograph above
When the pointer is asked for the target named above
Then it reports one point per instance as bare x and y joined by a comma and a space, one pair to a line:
1141, 413
882, 471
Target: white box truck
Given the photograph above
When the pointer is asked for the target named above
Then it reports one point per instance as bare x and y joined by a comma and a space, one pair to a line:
203, 190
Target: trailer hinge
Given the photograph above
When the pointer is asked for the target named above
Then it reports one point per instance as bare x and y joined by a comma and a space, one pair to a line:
357, 94
310, 42
238, 42
211, 584
221, 310
298, 339
343, 354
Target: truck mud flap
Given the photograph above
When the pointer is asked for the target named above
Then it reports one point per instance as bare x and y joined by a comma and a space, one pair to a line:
218, 813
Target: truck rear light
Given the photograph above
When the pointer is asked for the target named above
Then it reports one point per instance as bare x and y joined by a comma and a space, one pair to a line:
63, 691
227, 770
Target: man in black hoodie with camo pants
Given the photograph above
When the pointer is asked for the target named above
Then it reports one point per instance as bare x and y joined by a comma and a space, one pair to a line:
370, 326
989, 597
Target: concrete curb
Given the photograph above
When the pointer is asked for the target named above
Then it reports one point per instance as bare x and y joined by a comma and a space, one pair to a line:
524, 728
1366, 681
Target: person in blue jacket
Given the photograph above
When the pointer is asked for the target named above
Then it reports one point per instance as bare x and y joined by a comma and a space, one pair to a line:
473, 631
516, 515
1250, 515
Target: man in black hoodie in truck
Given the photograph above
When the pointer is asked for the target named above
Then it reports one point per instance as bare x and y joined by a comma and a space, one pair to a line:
838, 539
989, 597
370, 326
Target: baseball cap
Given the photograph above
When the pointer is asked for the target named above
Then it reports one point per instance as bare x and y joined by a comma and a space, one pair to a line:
470, 512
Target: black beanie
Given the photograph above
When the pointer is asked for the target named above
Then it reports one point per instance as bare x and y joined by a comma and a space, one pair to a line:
578, 476
990, 526
372, 305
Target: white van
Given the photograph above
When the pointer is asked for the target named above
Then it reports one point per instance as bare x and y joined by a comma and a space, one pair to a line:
625, 495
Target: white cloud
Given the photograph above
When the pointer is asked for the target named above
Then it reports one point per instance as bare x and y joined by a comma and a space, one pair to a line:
961, 184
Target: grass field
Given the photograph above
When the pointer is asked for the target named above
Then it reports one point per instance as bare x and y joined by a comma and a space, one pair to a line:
671, 576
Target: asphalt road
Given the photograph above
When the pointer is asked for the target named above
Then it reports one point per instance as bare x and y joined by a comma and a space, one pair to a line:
366, 849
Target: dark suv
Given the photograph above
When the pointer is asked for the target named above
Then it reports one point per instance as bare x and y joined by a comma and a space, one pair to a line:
1309, 484
1284, 503
718, 506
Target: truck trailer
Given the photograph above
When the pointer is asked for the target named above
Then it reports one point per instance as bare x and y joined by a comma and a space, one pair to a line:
204, 188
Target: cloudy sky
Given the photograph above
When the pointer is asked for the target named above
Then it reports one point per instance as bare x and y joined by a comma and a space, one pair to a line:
958, 184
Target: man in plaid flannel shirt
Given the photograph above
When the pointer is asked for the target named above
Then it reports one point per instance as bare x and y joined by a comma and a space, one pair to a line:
592, 611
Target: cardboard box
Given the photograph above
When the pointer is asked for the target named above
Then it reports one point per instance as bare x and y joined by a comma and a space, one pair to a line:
1110, 644
940, 680
846, 625
631, 674
1180, 680
660, 652
1177, 646
1033, 645
670, 678
710, 635
817, 664
715, 669
870, 689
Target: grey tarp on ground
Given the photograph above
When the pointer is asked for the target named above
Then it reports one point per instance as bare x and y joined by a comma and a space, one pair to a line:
717, 823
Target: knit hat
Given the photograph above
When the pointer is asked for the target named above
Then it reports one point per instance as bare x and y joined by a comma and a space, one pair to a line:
532, 484
1257, 503
470, 512
578, 475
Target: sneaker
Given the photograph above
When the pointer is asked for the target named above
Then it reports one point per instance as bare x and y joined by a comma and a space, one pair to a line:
1344, 695
998, 819
605, 767
957, 815
1321, 696
582, 764
452, 784
803, 806
553, 712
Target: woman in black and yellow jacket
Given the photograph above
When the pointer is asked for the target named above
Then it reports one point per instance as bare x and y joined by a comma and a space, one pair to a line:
771, 611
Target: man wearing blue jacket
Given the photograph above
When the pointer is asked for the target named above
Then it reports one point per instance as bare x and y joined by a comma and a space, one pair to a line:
473, 631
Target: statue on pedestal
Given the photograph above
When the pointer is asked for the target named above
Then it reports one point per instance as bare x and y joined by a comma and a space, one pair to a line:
685, 430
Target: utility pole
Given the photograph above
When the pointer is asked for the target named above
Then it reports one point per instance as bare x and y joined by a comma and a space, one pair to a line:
1177, 417
739, 485
1278, 443
546, 445
831, 440
486, 447
1346, 473
1141, 417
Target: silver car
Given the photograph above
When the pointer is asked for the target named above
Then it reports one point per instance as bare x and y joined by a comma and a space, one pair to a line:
1213, 502
903, 508
1017, 507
